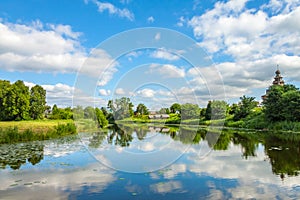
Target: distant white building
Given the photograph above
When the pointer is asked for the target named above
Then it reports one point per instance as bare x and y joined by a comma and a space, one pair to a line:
154, 115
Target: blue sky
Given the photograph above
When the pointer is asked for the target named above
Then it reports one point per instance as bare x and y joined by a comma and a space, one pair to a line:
58, 43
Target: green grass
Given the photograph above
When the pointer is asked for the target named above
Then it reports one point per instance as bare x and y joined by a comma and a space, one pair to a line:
35, 125
21, 131
284, 126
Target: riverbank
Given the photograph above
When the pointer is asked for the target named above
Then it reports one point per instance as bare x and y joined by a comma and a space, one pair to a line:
22, 131
255, 122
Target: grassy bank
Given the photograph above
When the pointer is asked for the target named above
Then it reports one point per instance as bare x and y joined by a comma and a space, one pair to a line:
21, 131
259, 122
256, 122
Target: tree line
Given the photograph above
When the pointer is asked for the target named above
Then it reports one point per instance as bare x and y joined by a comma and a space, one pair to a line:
18, 102
123, 108
281, 105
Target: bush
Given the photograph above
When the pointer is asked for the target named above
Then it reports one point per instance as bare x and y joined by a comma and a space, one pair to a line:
256, 121
191, 121
285, 125
173, 119
237, 124
65, 129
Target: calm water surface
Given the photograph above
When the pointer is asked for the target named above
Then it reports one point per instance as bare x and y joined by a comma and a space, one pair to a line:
147, 162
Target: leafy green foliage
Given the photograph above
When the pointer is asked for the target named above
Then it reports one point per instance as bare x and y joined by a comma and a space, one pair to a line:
121, 108
282, 103
244, 107
216, 110
102, 121
78, 112
16, 102
173, 119
13, 134
190, 111
175, 108
164, 111
141, 109
37, 102
208, 111
4, 87
291, 105
61, 113
89, 113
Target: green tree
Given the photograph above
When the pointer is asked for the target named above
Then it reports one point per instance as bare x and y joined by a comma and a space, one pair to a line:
202, 113
142, 109
101, 119
16, 102
4, 87
272, 104
208, 111
104, 111
78, 112
164, 111
108, 115
244, 107
60, 113
233, 109
216, 110
175, 108
291, 105
190, 111
89, 112
281, 102
121, 108
37, 102
66, 113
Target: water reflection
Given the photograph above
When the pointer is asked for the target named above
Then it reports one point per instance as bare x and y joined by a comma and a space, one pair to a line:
281, 153
243, 165
284, 155
120, 136
15, 155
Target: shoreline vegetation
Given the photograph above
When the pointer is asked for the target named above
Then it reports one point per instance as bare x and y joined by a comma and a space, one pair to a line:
25, 116
33, 130
24, 131
258, 124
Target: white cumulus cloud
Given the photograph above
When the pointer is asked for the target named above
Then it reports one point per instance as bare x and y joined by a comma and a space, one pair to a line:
150, 19
113, 10
167, 70
164, 54
104, 92
256, 40
120, 91
146, 93
51, 48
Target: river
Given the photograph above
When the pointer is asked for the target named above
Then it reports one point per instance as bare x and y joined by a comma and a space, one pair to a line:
153, 162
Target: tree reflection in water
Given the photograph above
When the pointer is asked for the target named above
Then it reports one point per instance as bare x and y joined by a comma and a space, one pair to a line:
284, 155
15, 155
141, 132
120, 136
282, 150
248, 141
